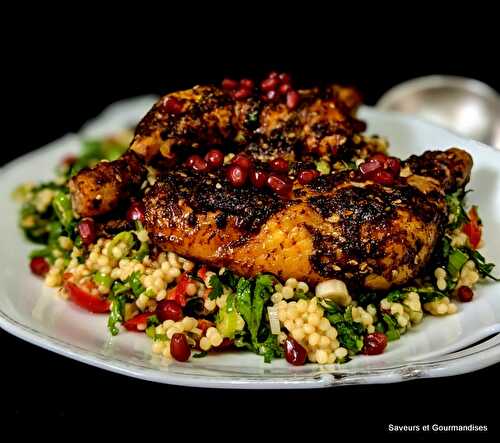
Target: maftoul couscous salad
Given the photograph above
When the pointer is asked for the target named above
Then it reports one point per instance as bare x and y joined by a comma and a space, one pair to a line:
259, 217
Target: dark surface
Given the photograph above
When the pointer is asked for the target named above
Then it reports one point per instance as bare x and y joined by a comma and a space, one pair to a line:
58, 81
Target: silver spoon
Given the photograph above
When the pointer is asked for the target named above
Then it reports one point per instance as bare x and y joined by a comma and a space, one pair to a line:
466, 106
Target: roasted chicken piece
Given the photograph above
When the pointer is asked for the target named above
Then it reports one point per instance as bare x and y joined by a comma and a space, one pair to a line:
339, 226
99, 190
185, 122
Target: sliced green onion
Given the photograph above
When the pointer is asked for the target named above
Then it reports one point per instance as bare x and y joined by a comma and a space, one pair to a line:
456, 261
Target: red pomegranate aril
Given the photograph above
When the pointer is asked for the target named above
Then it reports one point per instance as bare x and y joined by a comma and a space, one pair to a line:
295, 353
246, 83
269, 84
196, 163
172, 105
285, 78
370, 166
393, 165
214, 158
258, 178
465, 294
169, 310
280, 185
383, 178
230, 84
271, 95
292, 99
136, 212
179, 347
237, 175
243, 161
273, 75
284, 88
86, 229
381, 158
39, 266
374, 343
279, 165
242, 93
307, 176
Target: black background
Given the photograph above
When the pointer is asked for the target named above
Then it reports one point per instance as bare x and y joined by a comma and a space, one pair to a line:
59, 73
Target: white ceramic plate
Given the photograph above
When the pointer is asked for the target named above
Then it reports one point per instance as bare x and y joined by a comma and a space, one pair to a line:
437, 347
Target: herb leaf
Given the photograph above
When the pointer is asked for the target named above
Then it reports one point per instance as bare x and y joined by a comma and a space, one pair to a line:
217, 287
457, 214
483, 268
116, 313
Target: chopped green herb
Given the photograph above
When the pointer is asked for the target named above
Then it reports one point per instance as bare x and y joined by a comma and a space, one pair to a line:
426, 293
63, 209
457, 214
396, 296
116, 315
153, 321
135, 283
200, 354
229, 279
368, 298
350, 333
217, 287
392, 327
483, 268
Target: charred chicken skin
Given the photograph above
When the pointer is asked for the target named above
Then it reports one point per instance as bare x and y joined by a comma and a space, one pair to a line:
339, 226
185, 122
371, 232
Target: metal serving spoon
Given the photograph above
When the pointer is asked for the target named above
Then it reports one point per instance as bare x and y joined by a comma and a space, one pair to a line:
466, 106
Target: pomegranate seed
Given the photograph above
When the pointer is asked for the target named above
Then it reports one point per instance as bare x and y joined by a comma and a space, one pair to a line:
214, 158
280, 185
307, 176
39, 266
242, 93
242, 160
285, 78
284, 88
295, 353
465, 294
383, 178
237, 175
381, 158
271, 95
86, 229
370, 166
196, 163
258, 178
279, 165
169, 310
246, 83
136, 212
179, 347
393, 165
229, 84
273, 75
269, 84
172, 105
292, 99
374, 343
